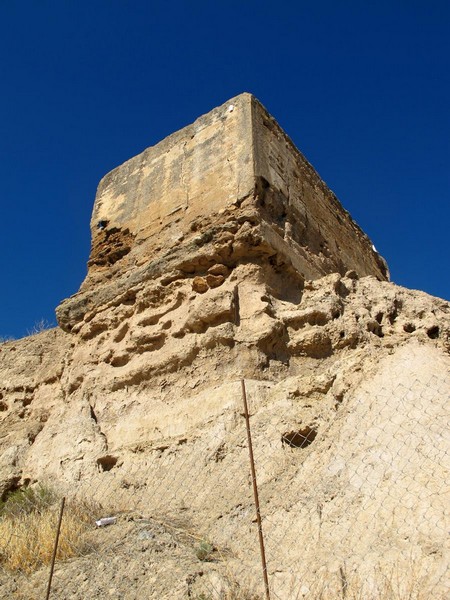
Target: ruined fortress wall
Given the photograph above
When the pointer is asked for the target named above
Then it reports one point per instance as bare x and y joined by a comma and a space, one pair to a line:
135, 402
235, 151
194, 172
230, 181
306, 221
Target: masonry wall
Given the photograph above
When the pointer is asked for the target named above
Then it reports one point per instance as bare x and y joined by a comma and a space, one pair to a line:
305, 219
232, 184
194, 172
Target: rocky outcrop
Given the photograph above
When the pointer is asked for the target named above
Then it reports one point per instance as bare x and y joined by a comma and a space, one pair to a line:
167, 339
347, 374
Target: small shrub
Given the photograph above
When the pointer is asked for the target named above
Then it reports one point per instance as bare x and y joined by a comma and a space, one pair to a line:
204, 550
27, 500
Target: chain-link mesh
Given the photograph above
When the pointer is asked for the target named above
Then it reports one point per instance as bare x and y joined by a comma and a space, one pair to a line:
353, 506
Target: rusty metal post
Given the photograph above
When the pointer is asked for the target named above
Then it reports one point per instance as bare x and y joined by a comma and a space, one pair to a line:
55, 549
255, 491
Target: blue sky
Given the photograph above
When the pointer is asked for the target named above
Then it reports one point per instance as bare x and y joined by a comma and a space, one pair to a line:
363, 89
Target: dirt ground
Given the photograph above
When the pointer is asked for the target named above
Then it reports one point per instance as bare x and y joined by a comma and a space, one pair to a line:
134, 558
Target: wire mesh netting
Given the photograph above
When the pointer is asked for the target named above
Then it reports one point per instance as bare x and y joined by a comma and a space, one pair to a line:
352, 506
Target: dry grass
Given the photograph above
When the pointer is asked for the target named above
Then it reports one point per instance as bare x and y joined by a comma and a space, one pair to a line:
40, 326
405, 584
235, 593
383, 591
28, 522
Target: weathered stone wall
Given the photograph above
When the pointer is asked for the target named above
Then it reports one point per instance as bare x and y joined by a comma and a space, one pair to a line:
236, 169
234, 151
194, 172
305, 220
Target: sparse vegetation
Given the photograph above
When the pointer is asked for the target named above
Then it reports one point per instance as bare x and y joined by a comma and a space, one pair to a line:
233, 592
40, 326
26, 501
204, 551
28, 519
382, 589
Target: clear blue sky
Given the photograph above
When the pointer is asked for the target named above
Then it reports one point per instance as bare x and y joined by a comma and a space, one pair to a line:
362, 88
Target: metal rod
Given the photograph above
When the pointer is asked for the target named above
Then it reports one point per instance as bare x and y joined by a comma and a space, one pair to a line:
55, 549
255, 491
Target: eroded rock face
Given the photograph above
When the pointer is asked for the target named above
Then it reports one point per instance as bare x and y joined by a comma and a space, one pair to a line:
148, 391
138, 393
173, 338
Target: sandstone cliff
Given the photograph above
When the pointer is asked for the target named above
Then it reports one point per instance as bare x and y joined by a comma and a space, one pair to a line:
217, 255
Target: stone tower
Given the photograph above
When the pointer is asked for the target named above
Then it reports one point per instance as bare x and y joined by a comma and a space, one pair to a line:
233, 164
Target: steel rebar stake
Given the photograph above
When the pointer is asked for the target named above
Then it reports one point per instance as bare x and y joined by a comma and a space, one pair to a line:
55, 549
255, 491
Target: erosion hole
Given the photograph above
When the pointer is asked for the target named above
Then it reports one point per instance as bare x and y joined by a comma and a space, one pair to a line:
433, 332
300, 438
106, 463
408, 328
375, 328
